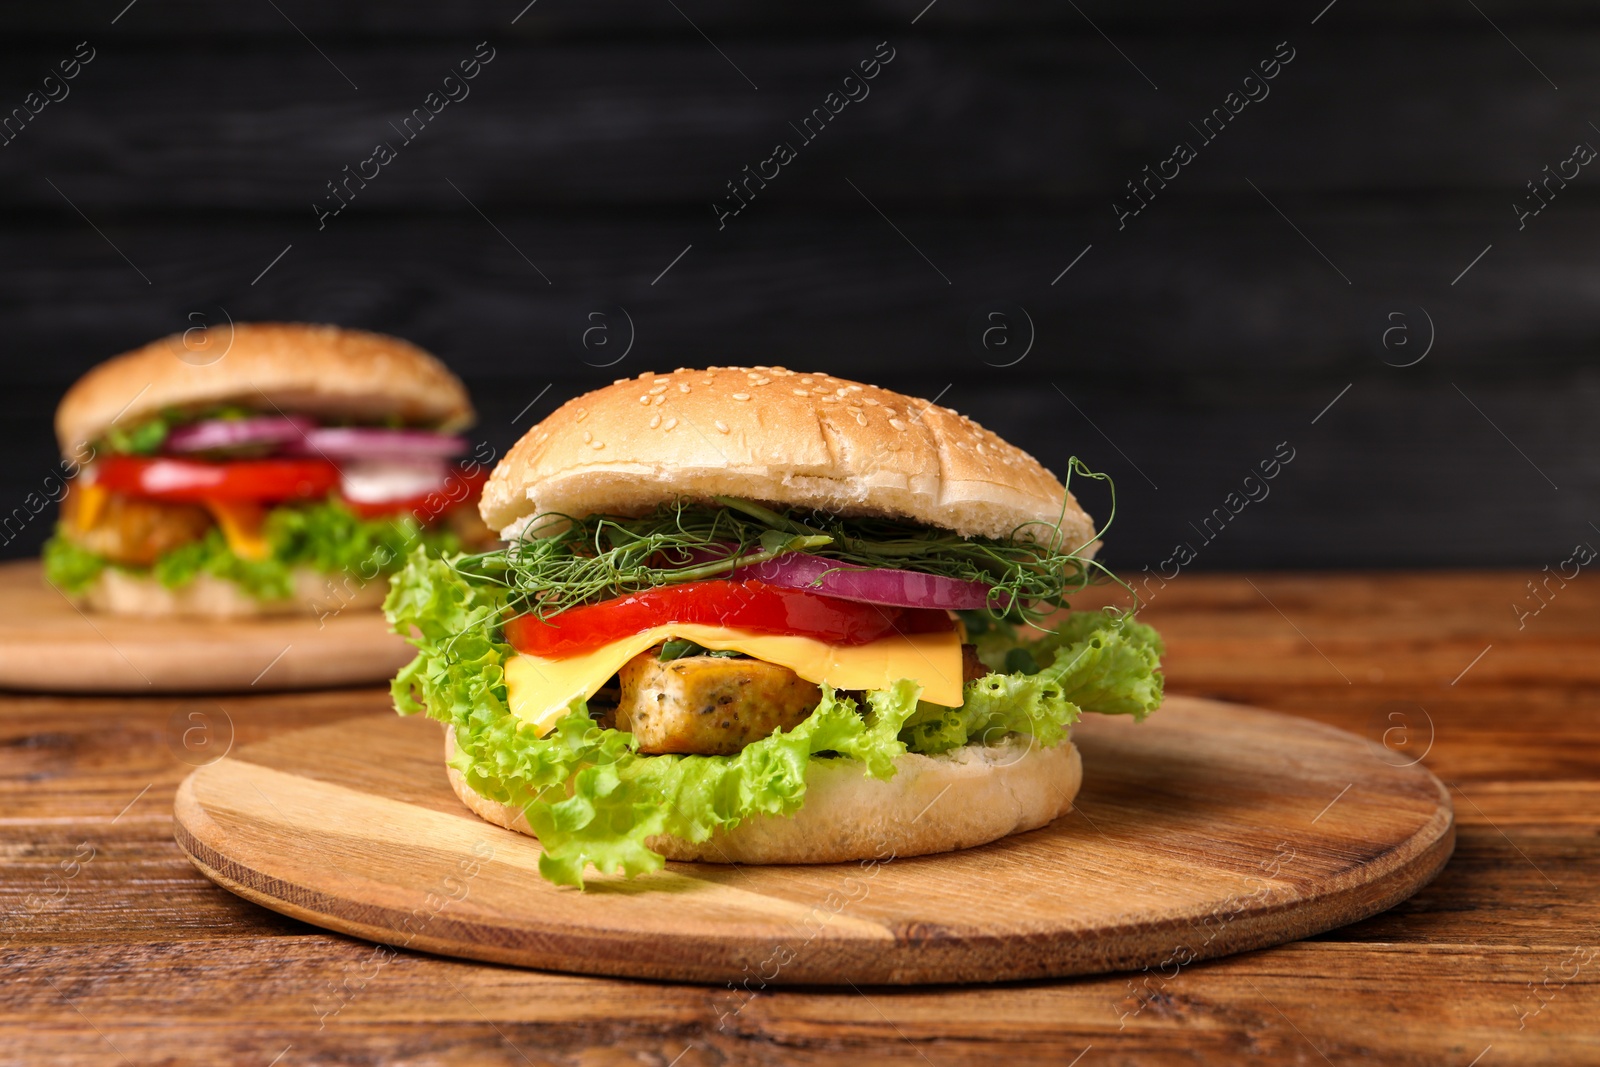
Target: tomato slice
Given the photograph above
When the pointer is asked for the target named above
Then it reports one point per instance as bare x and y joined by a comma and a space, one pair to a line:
192, 481
461, 488
745, 605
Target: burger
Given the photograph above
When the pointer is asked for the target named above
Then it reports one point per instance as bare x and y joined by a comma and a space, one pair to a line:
262, 469
745, 615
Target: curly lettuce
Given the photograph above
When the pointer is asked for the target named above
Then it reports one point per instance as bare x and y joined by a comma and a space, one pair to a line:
594, 800
1096, 662
325, 536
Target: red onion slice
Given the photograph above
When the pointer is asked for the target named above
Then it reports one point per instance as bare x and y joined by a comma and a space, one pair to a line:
370, 442
871, 585
214, 435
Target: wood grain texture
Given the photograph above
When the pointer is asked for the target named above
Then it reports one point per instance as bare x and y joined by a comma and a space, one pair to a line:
973, 122
556, 19
1210, 830
47, 644
143, 955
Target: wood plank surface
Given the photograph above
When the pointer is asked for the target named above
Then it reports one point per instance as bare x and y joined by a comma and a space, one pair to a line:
48, 644
1211, 830
138, 953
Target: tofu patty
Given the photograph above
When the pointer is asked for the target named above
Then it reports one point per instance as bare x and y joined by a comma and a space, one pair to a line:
716, 705
709, 705
130, 530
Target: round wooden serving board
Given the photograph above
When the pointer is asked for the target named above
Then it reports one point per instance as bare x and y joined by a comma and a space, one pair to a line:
47, 644
1206, 830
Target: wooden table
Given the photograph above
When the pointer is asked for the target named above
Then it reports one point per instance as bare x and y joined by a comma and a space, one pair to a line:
111, 943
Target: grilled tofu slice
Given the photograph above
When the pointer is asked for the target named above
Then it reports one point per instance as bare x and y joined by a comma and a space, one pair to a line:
708, 705
715, 705
127, 529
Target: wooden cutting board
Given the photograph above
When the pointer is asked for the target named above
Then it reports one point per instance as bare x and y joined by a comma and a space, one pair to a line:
1206, 830
47, 644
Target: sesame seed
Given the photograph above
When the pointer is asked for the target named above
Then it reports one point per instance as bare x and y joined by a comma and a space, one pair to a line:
645, 399
583, 413
806, 381
587, 437
657, 389
658, 399
891, 412
897, 424
869, 401
683, 387
719, 424
799, 392
655, 420
861, 419
671, 423
597, 444
741, 396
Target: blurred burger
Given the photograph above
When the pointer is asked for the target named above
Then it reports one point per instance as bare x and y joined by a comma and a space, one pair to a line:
268, 469
752, 616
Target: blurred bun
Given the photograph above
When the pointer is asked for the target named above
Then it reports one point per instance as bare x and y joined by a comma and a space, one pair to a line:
120, 593
296, 368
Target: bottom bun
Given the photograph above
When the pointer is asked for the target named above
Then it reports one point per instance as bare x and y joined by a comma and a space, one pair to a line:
120, 593
959, 799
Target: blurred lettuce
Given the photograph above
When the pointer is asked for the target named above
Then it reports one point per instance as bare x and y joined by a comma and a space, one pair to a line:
69, 566
325, 536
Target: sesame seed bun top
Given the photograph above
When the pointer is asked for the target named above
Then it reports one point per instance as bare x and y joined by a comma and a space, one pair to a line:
780, 437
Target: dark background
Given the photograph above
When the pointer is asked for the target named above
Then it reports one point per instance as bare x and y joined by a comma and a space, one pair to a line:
1176, 353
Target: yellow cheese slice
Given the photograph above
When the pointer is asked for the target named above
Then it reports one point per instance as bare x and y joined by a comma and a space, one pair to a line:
540, 689
241, 528
90, 505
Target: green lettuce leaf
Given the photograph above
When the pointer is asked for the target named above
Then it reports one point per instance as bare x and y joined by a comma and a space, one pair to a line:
140, 440
1104, 661
1097, 662
69, 566
325, 536
592, 799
